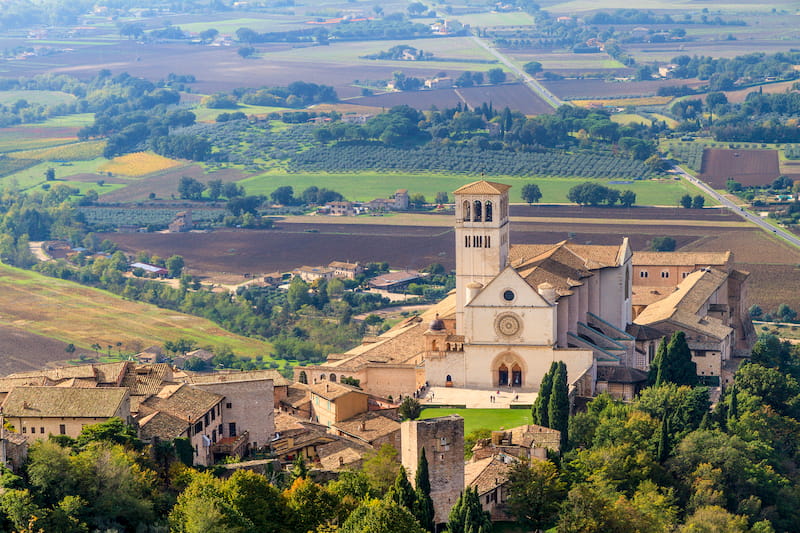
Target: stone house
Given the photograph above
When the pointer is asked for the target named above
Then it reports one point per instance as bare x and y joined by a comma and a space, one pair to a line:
526, 442
345, 270
489, 476
36, 412
334, 402
373, 428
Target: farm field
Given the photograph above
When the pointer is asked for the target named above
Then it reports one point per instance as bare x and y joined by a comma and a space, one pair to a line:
139, 164
474, 419
365, 186
748, 167
36, 97
417, 240
597, 89
68, 312
22, 350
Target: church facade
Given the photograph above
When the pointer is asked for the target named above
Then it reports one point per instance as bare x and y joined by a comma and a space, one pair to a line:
514, 311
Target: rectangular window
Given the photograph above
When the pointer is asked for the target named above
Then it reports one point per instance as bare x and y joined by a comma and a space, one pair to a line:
232, 429
62, 429
665, 274
228, 405
24, 429
685, 274
213, 414
466, 241
488, 241
206, 418
198, 428
41, 430
214, 436
643, 274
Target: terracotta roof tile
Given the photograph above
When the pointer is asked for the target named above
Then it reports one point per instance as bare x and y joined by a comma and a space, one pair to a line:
99, 402
375, 425
697, 259
161, 425
332, 391
487, 474
236, 377
183, 401
483, 187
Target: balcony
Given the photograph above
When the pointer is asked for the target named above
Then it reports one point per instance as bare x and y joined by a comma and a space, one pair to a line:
231, 446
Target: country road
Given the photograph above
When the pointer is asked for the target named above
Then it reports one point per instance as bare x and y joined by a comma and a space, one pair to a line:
747, 215
529, 80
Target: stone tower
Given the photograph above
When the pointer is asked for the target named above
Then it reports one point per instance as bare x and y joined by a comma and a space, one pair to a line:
443, 440
482, 243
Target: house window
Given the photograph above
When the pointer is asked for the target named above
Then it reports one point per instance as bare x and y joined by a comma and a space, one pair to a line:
41, 430
232, 429
466, 241
643, 274
206, 418
488, 241
665, 274
24, 429
228, 405
62, 429
33, 429
684, 274
198, 428
213, 414
214, 436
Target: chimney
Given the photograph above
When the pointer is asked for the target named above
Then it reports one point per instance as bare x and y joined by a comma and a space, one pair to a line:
547, 291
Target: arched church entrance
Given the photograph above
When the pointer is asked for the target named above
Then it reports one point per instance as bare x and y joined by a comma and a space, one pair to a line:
508, 370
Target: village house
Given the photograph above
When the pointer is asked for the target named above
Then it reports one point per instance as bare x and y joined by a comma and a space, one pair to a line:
334, 402
489, 477
373, 428
37, 412
182, 222
310, 274
345, 270
526, 442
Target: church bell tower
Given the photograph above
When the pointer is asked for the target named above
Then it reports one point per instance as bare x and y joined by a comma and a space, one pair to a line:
482, 229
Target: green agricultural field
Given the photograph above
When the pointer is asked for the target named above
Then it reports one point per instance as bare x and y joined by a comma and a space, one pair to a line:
630, 118
36, 97
492, 419
73, 313
204, 114
365, 186
489, 20
351, 52
229, 26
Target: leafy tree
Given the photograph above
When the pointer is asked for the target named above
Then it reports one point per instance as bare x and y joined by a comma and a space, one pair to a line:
535, 493
214, 189
381, 467
532, 67
50, 174
246, 51
467, 515
190, 188
531, 193
423, 504
114, 430
496, 76
310, 504
465, 79
174, 265
417, 200
786, 313
409, 409
686, 201
283, 195
662, 244
698, 202
297, 296
380, 516
628, 198
442, 198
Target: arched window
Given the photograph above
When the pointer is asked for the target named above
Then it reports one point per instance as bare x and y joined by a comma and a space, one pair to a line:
466, 211
333, 378
477, 217
449, 378
488, 216
303, 377
322, 377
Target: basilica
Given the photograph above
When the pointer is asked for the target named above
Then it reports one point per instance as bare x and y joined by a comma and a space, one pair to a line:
518, 308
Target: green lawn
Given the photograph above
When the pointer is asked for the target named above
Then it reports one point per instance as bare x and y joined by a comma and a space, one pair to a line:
36, 97
492, 419
364, 186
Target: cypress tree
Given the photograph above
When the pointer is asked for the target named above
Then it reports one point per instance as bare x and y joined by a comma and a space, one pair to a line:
733, 411
423, 504
558, 406
663, 440
676, 365
540, 405
467, 515
655, 365
402, 493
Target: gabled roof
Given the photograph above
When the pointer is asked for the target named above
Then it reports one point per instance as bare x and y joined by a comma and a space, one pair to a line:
488, 473
559, 266
236, 377
698, 259
332, 391
620, 374
48, 402
145, 380
683, 307
483, 187
368, 426
182, 401
161, 425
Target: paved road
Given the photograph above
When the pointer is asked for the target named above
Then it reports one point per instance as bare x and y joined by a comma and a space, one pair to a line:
747, 215
532, 84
